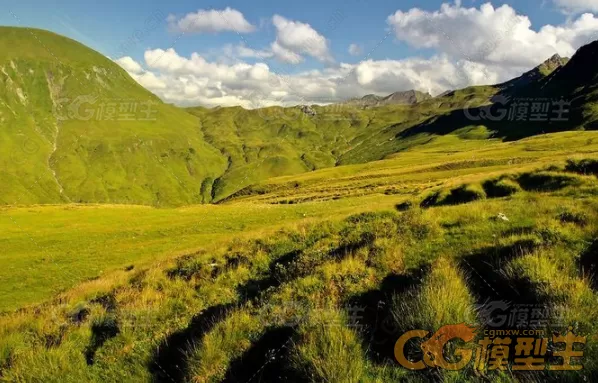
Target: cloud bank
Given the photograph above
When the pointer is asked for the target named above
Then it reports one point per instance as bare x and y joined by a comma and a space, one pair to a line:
474, 46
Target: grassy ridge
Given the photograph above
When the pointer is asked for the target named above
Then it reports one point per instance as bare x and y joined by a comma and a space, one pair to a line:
442, 161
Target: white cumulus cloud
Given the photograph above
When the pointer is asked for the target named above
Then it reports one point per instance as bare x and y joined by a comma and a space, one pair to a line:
243, 51
295, 39
211, 21
196, 81
474, 46
577, 6
130, 65
490, 35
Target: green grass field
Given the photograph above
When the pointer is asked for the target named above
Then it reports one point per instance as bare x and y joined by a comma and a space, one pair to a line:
47, 249
188, 293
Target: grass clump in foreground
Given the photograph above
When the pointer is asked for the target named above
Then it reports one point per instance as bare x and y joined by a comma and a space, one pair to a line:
442, 299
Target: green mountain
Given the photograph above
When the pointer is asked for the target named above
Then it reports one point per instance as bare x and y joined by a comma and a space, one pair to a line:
559, 95
75, 127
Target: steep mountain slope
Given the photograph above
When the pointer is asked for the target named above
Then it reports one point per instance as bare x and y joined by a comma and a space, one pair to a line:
540, 101
554, 63
577, 82
75, 127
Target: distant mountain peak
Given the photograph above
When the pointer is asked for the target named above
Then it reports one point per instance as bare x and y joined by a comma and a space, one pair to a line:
549, 66
408, 97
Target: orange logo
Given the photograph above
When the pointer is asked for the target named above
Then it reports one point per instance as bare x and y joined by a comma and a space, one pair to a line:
521, 349
434, 347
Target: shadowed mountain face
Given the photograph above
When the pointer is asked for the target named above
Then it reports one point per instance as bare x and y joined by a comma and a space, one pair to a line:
74, 127
554, 63
534, 103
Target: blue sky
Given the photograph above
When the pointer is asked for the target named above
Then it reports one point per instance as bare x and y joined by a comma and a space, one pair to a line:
182, 51
106, 25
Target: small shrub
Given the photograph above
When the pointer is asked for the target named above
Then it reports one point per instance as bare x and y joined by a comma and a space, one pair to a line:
585, 167
547, 181
500, 188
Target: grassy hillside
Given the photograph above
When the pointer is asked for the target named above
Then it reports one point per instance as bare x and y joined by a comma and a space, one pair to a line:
68, 133
423, 245
271, 142
65, 138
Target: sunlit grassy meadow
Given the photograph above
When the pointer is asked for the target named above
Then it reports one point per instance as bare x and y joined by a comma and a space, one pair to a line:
262, 286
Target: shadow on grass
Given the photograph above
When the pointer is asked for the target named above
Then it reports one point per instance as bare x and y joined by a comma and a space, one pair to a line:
101, 331
292, 266
169, 360
370, 314
488, 280
251, 290
268, 359
588, 264
507, 130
